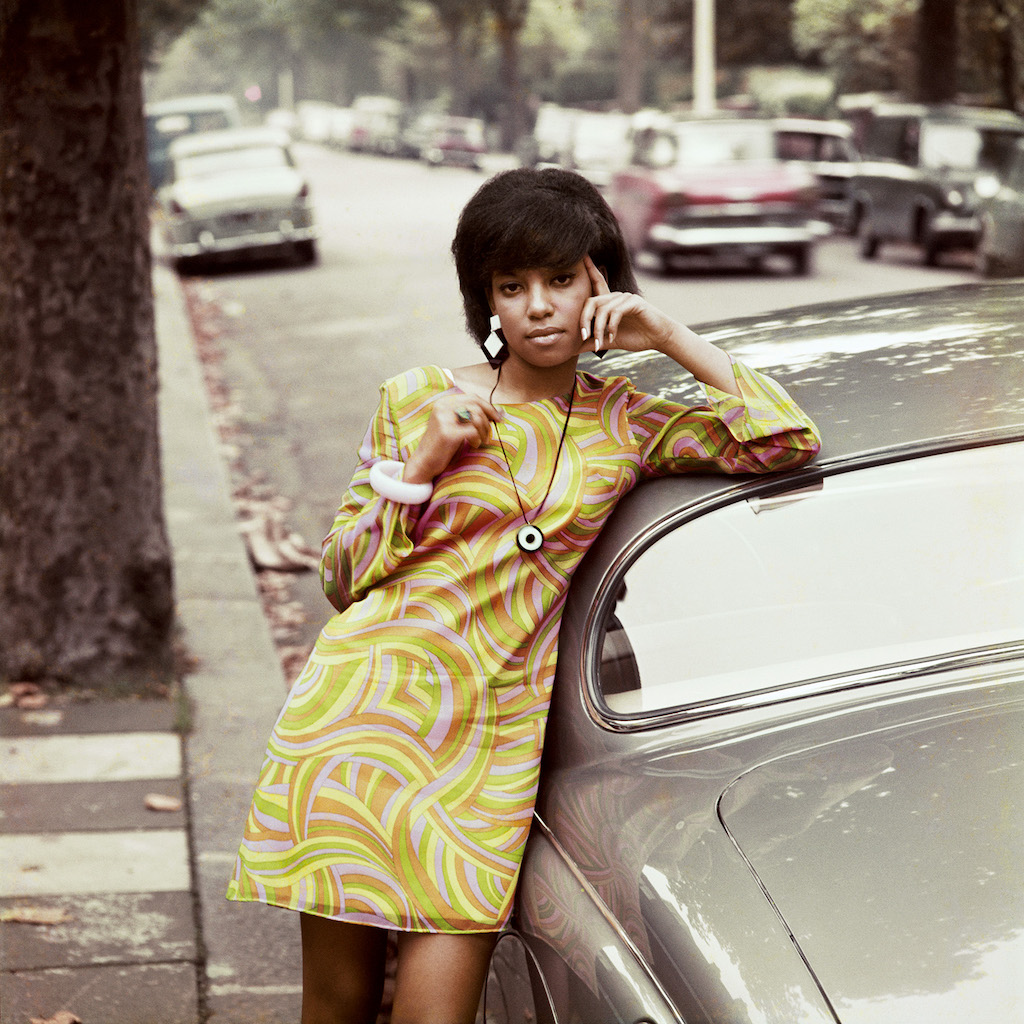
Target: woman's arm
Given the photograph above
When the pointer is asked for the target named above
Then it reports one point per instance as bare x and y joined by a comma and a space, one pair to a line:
628, 321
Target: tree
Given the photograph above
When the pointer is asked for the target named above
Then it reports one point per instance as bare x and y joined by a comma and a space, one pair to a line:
85, 577
937, 51
509, 19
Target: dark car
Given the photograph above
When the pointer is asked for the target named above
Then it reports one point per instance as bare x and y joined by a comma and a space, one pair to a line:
715, 188
1000, 249
784, 767
919, 167
167, 120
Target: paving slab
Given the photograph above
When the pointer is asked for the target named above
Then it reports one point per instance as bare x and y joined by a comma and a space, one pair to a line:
52, 864
101, 757
148, 994
88, 806
99, 930
84, 717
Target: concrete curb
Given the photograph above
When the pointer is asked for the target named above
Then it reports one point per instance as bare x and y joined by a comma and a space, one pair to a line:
252, 953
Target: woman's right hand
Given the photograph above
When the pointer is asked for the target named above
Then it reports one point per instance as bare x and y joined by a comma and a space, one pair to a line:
455, 420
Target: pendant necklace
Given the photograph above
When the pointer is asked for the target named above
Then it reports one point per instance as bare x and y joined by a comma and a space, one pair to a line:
529, 537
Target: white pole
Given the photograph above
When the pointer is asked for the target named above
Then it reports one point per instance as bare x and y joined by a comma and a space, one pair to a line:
286, 90
703, 56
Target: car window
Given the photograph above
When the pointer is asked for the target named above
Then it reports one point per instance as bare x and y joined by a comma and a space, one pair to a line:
950, 145
704, 145
227, 161
878, 566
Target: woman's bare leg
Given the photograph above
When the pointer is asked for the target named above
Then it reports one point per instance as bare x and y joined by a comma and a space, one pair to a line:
342, 971
440, 977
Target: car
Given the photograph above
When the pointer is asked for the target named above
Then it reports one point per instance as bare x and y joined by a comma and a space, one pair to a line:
915, 181
455, 142
1000, 249
714, 188
170, 119
783, 773
826, 149
236, 192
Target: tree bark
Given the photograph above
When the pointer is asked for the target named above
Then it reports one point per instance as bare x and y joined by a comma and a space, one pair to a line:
85, 573
633, 36
937, 51
509, 19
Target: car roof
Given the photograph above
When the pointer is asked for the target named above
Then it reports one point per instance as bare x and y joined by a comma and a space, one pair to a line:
188, 104
226, 139
982, 116
816, 126
883, 378
880, 372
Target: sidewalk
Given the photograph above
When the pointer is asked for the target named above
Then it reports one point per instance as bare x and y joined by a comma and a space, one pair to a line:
142, 932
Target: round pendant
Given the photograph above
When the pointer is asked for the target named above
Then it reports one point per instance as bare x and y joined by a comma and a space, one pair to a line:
529, 538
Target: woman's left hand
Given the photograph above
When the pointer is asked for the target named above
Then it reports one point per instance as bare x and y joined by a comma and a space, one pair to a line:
622, 319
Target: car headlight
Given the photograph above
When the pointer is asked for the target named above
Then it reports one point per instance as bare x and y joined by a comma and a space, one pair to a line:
954, 197
986, 186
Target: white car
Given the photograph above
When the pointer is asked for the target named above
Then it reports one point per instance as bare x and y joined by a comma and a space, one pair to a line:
234, 192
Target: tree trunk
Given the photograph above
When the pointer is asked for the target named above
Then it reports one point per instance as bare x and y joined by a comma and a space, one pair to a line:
85, 575
510, 17
937, 51
633, 32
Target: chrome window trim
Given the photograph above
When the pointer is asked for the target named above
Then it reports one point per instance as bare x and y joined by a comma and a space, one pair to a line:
775, 488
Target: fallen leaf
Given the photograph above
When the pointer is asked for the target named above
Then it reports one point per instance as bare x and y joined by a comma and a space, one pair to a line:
36, 915
62, 1017
160, 802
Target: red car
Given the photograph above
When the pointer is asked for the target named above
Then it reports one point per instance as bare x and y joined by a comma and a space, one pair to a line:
716, 189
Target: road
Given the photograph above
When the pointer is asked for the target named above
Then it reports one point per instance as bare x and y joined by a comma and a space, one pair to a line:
306, 348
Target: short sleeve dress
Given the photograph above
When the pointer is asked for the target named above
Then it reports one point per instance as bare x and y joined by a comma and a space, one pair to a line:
400, 778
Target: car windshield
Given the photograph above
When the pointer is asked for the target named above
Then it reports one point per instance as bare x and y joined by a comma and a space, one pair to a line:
966, 147
708, 144
879, 566
230, 161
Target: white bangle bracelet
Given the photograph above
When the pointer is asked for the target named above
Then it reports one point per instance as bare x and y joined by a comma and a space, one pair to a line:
386, 480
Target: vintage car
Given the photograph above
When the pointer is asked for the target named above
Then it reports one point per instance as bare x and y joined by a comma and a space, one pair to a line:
715, 188
919, 168
456, 142
826, 149
784, 768
234, 192
167, 120
1000, 249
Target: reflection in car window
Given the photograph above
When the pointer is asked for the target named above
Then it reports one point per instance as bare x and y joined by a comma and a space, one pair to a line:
880, 566
204, 165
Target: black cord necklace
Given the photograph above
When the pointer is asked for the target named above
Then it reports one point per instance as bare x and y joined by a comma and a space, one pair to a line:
528, 536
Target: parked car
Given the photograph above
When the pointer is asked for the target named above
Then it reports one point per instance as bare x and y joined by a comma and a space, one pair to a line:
1000, 248
916, 180
599, 145
784, 767
167, 120
455, 141
233, 192
376, 125
715, 188
826, 149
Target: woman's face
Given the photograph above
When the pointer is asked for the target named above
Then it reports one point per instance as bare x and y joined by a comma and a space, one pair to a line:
540, 311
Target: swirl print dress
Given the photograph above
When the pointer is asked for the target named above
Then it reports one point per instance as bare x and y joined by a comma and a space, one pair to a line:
400, 778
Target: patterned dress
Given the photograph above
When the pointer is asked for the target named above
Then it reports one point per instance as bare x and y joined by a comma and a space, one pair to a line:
400, 778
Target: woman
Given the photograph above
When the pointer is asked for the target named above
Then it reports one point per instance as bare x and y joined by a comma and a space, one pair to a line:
400, 778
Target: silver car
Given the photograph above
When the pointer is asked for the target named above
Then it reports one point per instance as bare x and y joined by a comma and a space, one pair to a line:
1000, 249
784, 767
235, 191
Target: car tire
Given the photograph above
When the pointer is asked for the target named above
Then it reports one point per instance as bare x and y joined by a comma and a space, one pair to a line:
869, 241
931, 251
305, 252
803, 260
